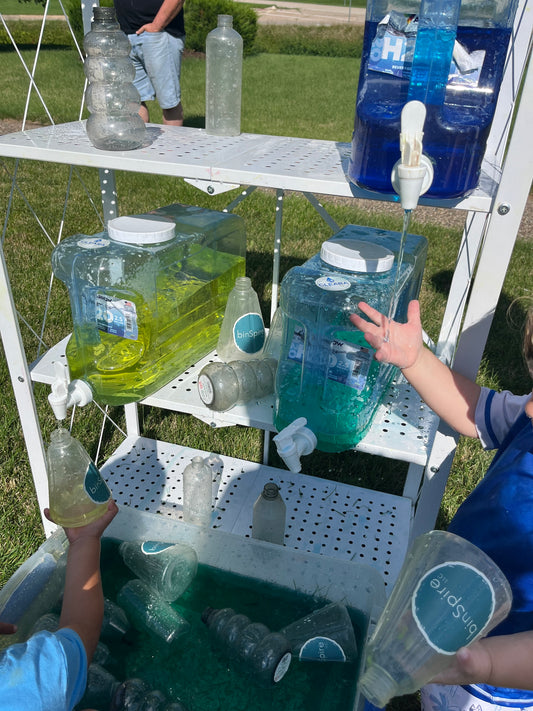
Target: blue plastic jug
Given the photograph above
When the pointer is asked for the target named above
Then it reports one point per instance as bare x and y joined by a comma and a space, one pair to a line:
447, 54
326, 370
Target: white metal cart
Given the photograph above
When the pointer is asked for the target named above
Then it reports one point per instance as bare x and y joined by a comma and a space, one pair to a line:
325, 517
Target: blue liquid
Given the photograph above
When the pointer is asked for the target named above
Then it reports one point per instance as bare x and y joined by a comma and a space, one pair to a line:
431, 65
455, 132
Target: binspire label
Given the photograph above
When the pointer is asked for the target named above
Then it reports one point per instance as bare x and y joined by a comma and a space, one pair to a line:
452, 604
249, 333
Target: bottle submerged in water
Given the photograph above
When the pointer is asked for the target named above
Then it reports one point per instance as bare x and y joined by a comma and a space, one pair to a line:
252, 648
114, 123
78, 493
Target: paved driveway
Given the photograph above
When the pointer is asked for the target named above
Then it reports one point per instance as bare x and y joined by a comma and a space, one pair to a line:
293, 13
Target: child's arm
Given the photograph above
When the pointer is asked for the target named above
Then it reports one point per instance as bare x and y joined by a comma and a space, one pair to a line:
452, 396
499, 661
83, 600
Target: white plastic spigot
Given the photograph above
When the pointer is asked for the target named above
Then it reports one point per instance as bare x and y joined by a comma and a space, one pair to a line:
412, 175
66, 394
294, 441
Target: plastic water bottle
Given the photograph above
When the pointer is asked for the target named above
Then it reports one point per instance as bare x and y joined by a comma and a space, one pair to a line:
197, 492
223, 79
242, 334
223, 385
268, 519
167, 568
78, 493
114, 123
250, 646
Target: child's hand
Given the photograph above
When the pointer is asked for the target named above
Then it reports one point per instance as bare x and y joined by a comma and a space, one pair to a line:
93, 529
471, 665
396, 343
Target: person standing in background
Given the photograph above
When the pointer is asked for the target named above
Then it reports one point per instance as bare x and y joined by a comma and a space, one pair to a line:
156, 31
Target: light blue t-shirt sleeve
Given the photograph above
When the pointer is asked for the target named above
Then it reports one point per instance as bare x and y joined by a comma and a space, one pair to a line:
46, 673
496, 412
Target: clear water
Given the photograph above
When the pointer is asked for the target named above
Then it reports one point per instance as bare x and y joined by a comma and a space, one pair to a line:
395, 294
455, 132
196, 673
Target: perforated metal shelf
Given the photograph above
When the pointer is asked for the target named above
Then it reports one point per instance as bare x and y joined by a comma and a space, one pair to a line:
403, 427
287, 163
325, 517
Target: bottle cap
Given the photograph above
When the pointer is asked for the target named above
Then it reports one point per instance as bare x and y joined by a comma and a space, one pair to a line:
141, 229
270, 490
356, 255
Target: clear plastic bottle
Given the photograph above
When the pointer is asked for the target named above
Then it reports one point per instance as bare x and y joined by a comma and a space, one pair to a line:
77, 492
223, 385
250, 646
242, 334
223, 79
214, 461
268, 519
197, 492
168, 568
114, 123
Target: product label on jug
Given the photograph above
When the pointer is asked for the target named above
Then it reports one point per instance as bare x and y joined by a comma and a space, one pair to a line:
116, 316
154, 547
321, 649
296, 349
452, 604
93, 242
249, 333
332, 283
206, 390
349, 364
95, 487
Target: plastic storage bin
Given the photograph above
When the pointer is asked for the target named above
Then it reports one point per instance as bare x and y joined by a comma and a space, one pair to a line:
452, 60
326, 371
148, 296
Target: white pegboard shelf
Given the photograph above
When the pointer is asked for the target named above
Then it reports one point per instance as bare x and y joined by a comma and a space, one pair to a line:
281, 162
324, 517
403, 428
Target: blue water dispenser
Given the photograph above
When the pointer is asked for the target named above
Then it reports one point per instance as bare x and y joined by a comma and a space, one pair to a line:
448, 55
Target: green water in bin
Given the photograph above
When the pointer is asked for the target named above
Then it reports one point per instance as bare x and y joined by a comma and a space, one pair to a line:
192, 670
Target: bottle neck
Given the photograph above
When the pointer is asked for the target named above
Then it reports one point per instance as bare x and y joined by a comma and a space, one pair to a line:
225, 21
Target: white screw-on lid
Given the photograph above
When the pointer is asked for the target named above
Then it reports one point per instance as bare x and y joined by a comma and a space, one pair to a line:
355, 255
141, 229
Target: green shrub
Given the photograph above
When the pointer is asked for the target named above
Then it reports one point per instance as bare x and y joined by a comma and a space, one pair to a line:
334, 41
201, 18
73, 8
26, 33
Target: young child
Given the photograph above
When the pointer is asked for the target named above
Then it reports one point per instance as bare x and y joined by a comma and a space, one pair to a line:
49, 671
496, 672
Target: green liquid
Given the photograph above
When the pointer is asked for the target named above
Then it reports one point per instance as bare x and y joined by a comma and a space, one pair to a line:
194, 671
179, 327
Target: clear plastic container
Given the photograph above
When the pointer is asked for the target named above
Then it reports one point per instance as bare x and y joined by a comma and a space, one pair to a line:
78, 493
268, 516
326, 371
223, 60
148, 296
450, 56
114, 123
168, 568
251, 646
223, 385
242, 335
198, 492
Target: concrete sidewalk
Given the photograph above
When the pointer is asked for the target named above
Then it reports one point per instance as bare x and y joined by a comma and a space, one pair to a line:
284, 12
